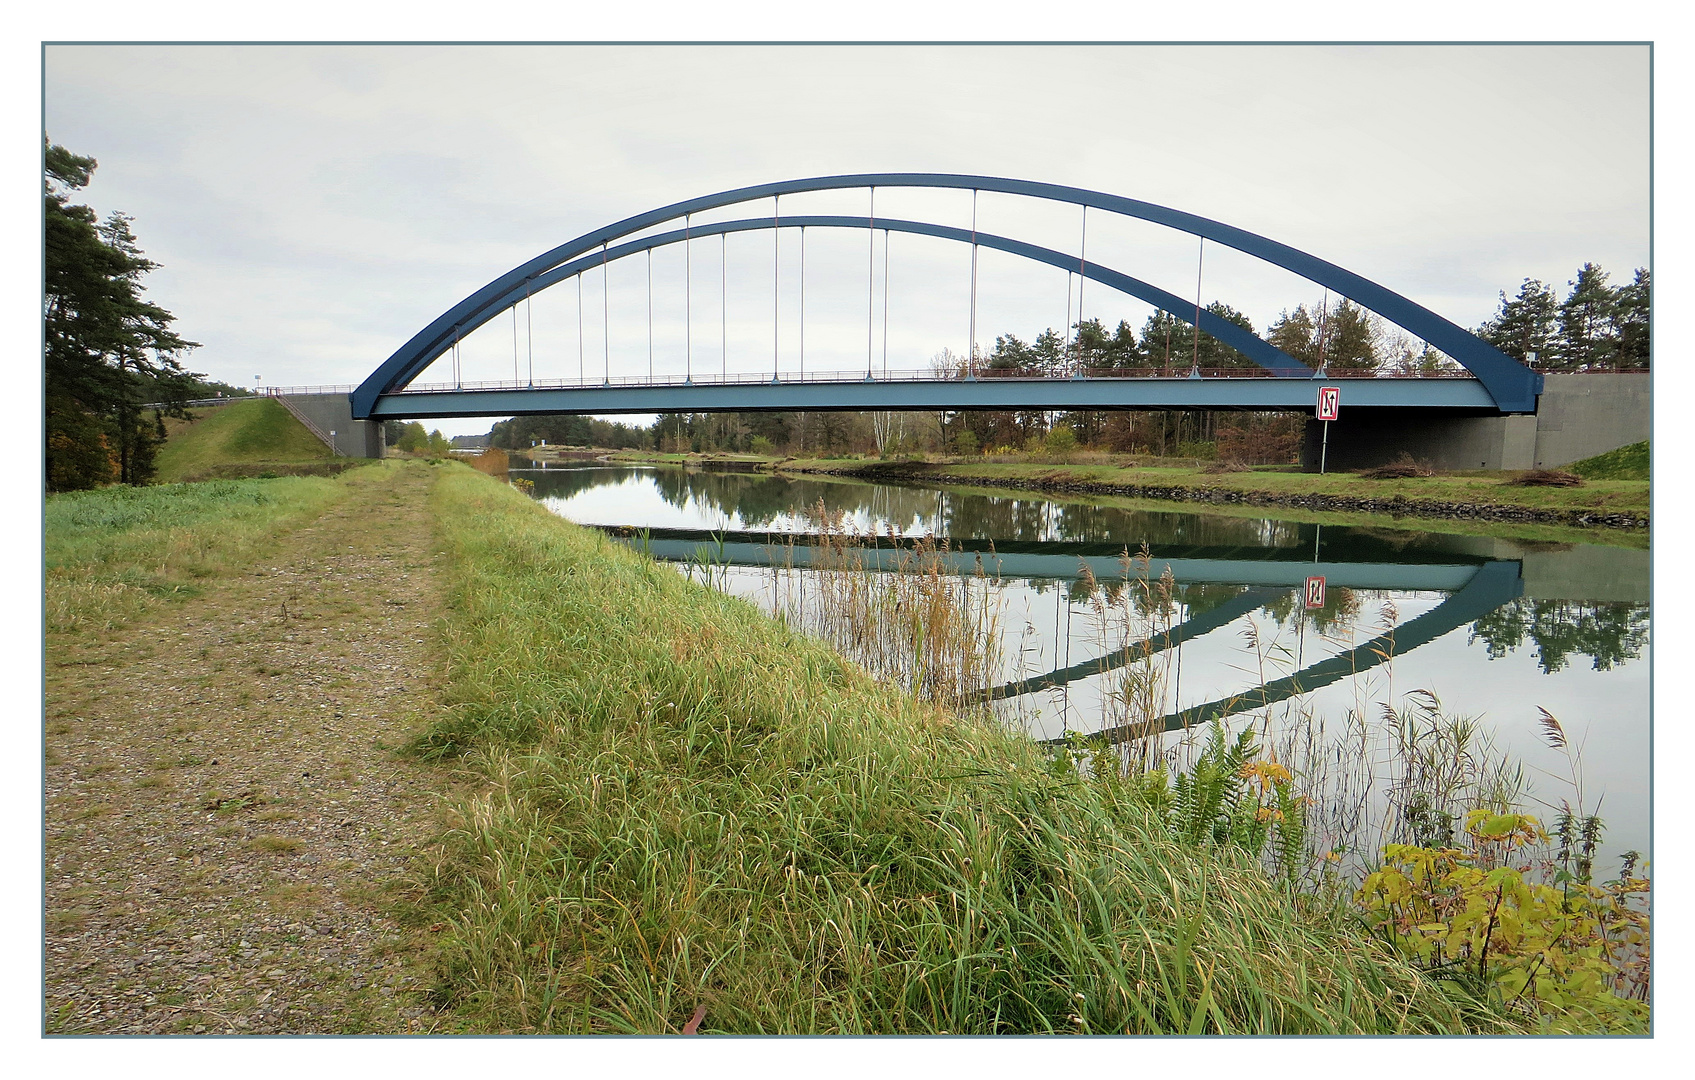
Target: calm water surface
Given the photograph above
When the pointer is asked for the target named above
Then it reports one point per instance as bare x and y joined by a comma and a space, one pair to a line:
1496, 629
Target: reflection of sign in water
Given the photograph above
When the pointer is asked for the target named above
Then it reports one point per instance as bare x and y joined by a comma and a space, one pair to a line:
1315, 591
1329, 402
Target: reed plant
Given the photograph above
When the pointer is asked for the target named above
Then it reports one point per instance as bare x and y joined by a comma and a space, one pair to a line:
687, 805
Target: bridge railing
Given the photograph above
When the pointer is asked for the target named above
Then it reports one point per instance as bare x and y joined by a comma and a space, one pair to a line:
748, 378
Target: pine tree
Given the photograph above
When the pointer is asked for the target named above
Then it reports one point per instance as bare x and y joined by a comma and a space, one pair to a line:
1351, 339
1632, 322
1296, 333
106, 349
1525, 324
1588, 336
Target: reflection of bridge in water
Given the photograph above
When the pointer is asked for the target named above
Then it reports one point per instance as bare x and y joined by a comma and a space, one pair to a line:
1475, 588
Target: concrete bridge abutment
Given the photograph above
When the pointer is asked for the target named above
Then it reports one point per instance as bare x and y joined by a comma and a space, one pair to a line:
1578, 416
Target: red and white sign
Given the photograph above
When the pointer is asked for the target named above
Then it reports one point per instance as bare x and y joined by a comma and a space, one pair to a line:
1315, 591
1329, 402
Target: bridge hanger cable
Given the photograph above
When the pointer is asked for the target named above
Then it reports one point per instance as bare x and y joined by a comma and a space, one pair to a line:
803, 303
688, 302
580, 376
870, 279
1200, 260
514, 344
605, 319
776, 239
530, 331
724, 300
457, 383
649, 314
971, 352
885, 303
1082, 279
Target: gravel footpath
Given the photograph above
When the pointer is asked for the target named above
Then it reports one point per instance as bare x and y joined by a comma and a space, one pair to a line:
226, 816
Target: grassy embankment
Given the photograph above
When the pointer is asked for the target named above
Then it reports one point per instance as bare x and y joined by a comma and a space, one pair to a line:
689, 806
1607, 492
242, 439
113, 553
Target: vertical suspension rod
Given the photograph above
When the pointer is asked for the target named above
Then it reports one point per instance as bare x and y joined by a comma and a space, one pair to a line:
885, 303
650, 315
605, 318
1200, 260
870, 280
688, 302
803, 303
724, 299
530, 330
581, 377
776, 238
1082, 278
515, 344
971, 350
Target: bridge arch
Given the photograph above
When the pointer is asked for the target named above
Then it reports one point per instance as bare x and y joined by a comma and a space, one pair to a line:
1512, 386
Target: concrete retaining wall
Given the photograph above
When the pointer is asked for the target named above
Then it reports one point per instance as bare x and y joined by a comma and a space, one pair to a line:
1577, 416
334, 413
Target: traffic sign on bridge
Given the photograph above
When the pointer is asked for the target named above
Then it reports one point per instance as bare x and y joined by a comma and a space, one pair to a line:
1329, 402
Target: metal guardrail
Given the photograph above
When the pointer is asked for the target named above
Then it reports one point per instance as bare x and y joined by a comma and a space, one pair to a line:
302, 391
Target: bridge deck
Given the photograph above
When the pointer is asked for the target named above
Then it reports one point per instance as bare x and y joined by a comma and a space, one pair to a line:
813, 394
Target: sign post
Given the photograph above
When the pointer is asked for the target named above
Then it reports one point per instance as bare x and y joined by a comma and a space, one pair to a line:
1329, 405
1315, 591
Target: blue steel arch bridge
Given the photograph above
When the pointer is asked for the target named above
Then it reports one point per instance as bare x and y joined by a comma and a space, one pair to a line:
1493, 383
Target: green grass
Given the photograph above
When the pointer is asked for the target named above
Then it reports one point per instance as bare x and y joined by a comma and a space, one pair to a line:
1625, 463
259, 431
1476, 488
689, 805
113, 553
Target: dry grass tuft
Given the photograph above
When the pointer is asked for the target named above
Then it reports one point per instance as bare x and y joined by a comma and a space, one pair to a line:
1402, 468
1547, 478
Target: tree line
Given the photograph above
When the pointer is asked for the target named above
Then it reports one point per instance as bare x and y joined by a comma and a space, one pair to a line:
107, 350
1597, 327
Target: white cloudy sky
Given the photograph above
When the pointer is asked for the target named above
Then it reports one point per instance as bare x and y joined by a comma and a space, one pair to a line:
314, 206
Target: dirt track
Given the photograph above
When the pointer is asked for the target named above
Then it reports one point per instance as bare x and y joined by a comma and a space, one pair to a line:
226, 816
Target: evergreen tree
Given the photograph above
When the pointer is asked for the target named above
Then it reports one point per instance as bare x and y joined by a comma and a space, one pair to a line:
106, 349
1296, 333
1525, 324
1588, 336
1632, 323
1212, 352
1123, 351
1162, 341
1351, 335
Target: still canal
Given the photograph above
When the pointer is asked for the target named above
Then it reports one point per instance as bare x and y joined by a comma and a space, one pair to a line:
1426, 641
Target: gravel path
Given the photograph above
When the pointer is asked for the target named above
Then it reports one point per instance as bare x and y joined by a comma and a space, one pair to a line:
226, 816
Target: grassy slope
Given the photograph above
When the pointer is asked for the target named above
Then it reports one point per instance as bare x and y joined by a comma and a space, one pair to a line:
1625, 463
112, 553
260, 431
689, 805
1629, 496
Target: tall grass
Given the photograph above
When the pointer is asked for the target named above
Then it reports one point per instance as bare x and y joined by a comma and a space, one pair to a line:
112, 554
689, 804
915, 623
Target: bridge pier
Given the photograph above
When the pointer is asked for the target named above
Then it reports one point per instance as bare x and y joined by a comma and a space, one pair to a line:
330, 418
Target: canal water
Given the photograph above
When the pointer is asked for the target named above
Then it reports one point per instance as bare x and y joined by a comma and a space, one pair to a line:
1498, 632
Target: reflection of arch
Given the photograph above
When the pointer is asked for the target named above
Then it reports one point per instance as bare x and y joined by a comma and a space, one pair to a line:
1205, 623
1512, 385
1494, 584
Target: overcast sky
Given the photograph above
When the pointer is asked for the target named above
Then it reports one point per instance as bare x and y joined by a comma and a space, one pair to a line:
314, 206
